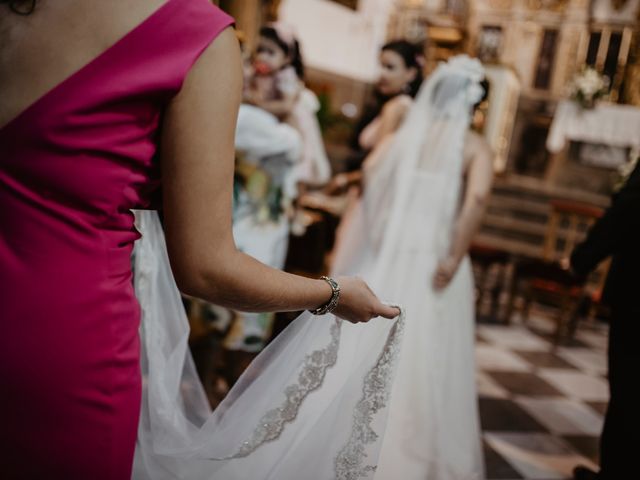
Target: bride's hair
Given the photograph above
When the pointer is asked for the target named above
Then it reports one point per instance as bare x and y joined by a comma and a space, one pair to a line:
21, 7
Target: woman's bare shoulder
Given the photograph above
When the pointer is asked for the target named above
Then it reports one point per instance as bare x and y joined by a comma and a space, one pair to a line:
40, 50
400, 103
69, 28
477, 151
476, 143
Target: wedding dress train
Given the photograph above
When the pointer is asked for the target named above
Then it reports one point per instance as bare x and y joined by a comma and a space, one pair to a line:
328, 399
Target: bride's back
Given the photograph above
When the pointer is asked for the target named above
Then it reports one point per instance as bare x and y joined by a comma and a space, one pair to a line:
40, 50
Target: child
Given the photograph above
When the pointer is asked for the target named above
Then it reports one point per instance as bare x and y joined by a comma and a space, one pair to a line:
276, 85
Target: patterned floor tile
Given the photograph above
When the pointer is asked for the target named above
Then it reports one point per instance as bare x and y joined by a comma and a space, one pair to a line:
541, 419
586, 445
587, 359
480, 340
491, 357
545, 359
541, 323
562, 416
537, 455
515, 337
523, 383
496, 467
488, 387
569, 342
600, 407
577, 385
595, 339
504, 415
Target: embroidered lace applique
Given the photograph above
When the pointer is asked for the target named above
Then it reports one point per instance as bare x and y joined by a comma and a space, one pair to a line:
310, 378
375, 394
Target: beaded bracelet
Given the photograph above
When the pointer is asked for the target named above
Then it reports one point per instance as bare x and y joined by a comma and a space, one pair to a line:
333, 301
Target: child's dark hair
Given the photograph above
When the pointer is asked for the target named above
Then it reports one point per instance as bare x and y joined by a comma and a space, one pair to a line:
412, 57
292, 51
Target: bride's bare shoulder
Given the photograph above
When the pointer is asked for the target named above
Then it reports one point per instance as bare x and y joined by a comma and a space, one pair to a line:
475, 142
477, 150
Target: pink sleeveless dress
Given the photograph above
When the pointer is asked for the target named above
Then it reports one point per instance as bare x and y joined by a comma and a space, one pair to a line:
72, 165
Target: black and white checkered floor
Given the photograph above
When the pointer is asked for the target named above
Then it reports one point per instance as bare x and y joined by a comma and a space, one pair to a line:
541, 406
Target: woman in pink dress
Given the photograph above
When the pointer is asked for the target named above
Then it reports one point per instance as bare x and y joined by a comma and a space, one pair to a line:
96, 98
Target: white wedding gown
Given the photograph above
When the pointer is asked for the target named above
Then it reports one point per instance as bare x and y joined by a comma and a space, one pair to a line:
328, 399
432, 430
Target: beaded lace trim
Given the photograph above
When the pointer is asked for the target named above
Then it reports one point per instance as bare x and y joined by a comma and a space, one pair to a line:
375, 394
376, 390
310, 378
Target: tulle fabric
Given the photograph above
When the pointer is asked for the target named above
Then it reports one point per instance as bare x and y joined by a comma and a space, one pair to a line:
315, 402
432, 430
180, 438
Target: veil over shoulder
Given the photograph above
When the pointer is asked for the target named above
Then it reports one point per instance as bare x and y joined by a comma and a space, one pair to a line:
317, 398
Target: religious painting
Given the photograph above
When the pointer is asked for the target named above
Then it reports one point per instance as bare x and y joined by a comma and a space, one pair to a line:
489, 44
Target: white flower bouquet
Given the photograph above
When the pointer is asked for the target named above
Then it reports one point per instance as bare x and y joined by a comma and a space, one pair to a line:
588, 86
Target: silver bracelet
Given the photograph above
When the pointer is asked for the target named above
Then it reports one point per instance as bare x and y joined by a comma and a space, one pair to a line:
331, 305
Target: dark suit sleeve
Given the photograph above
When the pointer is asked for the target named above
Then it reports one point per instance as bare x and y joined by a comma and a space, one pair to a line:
616, 230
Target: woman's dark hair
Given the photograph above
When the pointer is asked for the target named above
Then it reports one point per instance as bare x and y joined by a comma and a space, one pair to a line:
412, 57
292, 51
21, 7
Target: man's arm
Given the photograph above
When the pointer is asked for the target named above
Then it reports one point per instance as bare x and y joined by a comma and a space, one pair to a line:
616, 229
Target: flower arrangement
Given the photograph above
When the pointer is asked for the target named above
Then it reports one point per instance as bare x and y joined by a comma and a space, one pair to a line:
588, 86
625, 170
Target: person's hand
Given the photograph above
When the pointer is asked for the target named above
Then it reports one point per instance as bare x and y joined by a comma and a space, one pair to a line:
337, 184
444, 273
565, 264
359, 304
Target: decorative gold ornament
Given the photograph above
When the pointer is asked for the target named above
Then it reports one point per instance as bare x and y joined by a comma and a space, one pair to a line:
549, 5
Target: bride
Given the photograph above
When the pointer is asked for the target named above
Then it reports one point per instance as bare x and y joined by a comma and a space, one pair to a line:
328, 399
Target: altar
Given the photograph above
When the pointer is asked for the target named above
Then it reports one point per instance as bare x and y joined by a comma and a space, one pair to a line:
587, 141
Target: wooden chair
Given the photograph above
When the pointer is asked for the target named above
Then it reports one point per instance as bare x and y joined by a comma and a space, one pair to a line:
485, 258
548, 277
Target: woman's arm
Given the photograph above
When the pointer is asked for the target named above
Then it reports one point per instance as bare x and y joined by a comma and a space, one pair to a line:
197, 168
279, 108
479, 157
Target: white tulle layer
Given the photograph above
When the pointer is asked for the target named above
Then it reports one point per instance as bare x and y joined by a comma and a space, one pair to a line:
315, 403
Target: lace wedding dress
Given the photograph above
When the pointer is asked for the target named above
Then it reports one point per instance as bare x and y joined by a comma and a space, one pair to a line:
328, 399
